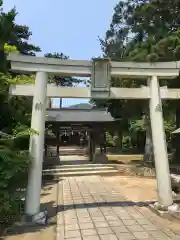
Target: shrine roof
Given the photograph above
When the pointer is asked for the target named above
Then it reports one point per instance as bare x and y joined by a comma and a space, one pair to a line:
71, 115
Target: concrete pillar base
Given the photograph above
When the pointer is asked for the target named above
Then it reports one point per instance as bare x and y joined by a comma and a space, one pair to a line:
174, 208
38, 218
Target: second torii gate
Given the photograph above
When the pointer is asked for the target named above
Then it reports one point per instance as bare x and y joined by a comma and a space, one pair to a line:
100, 71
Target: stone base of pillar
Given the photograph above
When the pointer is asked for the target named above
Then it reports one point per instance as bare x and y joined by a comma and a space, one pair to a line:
39, 218
172, 208
170, 212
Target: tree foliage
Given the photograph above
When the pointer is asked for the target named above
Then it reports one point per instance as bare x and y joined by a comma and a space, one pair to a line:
16, 113
14, 119
143, 30
14, 163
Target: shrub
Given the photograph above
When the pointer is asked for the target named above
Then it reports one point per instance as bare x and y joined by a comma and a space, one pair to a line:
14, 163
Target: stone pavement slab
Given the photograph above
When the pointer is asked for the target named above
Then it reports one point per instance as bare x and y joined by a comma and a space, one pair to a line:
95, 209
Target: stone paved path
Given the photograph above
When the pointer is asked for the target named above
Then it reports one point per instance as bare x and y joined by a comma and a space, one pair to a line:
92, 208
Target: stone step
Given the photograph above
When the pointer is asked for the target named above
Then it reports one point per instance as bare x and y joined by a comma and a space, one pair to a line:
80, 173
70, 169
61, 154
80, 166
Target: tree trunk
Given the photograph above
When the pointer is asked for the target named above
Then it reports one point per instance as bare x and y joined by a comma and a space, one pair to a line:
120, 136
2, 59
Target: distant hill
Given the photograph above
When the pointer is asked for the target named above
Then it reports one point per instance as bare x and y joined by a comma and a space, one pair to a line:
81, 106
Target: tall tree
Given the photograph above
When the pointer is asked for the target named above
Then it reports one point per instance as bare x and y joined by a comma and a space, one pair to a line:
15, 110
143, 30
14, 35
6, 27
19, 37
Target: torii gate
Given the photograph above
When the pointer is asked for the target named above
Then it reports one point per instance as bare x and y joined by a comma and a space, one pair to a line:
100, 71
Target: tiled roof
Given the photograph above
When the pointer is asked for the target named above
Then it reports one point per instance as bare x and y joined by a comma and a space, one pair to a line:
78, 115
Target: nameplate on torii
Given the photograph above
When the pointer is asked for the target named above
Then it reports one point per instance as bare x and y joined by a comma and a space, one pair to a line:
39, 106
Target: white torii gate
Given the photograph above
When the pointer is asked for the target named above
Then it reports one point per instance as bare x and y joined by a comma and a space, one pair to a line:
100, 71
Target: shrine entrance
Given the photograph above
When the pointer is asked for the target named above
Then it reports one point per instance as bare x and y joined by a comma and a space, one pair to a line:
100, 71
84, 129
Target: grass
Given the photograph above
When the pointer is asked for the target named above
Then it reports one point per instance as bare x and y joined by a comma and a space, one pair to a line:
125, 157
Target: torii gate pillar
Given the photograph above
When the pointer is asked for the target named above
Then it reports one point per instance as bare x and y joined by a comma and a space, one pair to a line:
164, 189
36, 147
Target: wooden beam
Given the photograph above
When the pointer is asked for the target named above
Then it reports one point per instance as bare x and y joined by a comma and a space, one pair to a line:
21, 63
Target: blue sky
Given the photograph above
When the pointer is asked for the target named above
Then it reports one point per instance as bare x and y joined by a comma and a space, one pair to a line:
68, 26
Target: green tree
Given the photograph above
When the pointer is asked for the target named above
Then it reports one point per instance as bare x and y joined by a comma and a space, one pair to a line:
14, 35
6, 27
143, 30
14, 162
19, 37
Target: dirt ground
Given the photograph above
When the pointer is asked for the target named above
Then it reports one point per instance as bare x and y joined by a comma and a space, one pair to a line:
48, 201
138, 189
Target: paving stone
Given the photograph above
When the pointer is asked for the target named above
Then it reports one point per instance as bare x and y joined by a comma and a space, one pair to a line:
108, 237
94, 210
106, 230
94, 237
171, 234
112, 218
159, 235
85, 220
150, 227
135, 228
125, 217
115, 223
108, 213
98, 219
148, 238
125, 236
77, 238
120, 229
72, 234
71, 222
83, 216
101, 224
129, 222
71, 227
142, 235
88, 232
96, 214
143, 221
70, 218
125, 214
138, 216
86, 225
